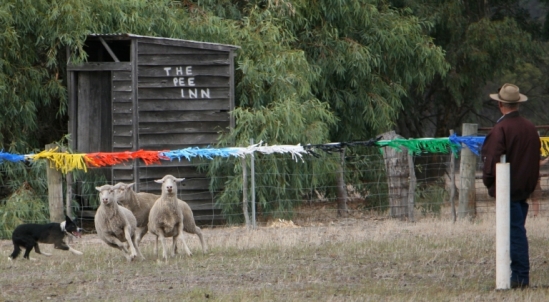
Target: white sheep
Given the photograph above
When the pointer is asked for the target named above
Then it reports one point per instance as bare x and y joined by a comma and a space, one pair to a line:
141, 203
116, 225
166, 216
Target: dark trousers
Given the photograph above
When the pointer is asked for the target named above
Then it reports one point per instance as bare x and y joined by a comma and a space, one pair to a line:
520, 261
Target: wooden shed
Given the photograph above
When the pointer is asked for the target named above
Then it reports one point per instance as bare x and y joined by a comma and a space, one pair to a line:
148, 93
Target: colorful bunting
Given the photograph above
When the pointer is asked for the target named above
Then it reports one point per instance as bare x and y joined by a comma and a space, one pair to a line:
417, 146
544, 146
474, 143
62, 161
102, 159
66, 162
191, 152
149, 157
10, 157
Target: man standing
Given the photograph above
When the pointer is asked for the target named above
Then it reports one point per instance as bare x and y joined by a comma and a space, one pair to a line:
518, 139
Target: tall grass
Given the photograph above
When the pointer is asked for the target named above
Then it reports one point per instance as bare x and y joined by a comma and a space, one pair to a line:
334, 260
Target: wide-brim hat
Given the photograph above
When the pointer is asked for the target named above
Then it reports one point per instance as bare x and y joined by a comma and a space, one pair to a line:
509, 93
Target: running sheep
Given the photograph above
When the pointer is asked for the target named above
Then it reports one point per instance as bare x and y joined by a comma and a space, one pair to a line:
166, 216
141, 203
116, 225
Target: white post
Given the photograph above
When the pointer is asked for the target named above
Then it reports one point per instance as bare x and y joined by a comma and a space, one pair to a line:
245, 193
252, 171
503, 225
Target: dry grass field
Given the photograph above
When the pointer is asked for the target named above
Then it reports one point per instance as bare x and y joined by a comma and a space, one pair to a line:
362, 258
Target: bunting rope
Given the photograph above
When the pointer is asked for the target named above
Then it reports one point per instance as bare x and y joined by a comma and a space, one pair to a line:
67, 162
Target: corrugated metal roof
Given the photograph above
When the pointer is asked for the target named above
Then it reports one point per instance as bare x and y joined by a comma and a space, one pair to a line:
128, 35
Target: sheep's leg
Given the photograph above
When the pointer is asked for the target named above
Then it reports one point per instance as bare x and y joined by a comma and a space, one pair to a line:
174, 246
128, 257
134, 239
115, 242
156, 247
182, 239
164, 252
198, 232
139, 252
127, 234
139, 233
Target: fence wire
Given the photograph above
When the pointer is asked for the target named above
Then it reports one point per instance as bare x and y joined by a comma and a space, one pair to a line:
367, 186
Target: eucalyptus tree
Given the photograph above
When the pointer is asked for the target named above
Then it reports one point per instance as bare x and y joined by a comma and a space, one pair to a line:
483, 41
308, 71
362, 56
273, 78
369, 54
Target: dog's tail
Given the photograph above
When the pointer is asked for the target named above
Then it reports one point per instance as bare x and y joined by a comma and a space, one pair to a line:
16, 251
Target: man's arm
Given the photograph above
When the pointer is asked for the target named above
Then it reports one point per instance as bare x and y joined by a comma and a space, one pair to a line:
492, 149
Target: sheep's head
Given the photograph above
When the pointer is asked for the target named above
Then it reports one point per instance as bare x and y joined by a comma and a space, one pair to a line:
122, 193
106, 194
169, 184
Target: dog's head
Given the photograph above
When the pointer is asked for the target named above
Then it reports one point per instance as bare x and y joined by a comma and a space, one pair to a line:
68, 226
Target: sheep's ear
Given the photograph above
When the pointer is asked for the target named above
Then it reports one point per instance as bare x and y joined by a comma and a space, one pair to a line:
179, 179
130, 185
98, 189
159, 181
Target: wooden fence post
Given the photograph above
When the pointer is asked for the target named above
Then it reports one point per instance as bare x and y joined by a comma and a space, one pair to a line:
398, 178
467, 170
411, 187
55, 191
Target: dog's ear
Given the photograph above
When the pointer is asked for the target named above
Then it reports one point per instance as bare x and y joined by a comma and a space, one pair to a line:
67, 218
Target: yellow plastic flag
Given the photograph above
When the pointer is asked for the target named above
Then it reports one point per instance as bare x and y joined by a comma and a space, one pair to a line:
544, 146
61, 161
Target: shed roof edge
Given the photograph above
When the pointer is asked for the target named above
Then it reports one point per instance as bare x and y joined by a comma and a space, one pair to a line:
161, 38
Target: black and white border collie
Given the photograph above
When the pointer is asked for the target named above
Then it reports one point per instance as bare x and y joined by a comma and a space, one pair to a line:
29, 235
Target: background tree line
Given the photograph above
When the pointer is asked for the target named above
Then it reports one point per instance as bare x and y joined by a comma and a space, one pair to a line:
307, 72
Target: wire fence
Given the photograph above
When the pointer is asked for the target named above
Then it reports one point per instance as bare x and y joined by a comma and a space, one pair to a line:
369, 188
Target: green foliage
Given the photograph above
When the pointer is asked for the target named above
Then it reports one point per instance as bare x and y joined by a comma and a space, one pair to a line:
365, 170
482, 41
30, 174
280, 181
368, 55
430, 197
25, 205
356, 58
532, 81
85, 183
307, 72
